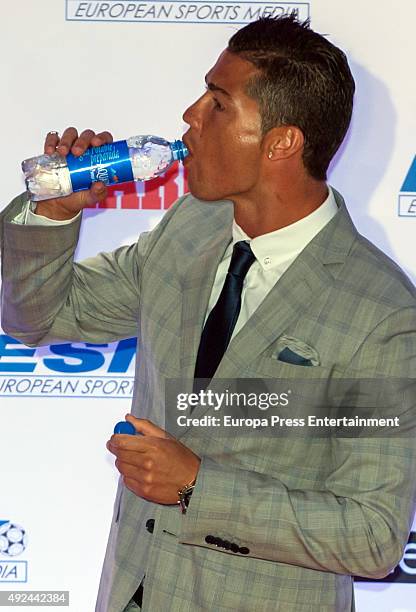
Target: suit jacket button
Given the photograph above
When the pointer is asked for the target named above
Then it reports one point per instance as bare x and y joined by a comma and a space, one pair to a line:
244, 550
210, 539
150, 525
234, 548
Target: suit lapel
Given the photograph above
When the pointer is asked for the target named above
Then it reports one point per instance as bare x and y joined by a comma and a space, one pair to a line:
311, 274
198, 278
286, 302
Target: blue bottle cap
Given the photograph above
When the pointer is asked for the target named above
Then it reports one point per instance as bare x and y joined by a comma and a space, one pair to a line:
179, 150
124, 427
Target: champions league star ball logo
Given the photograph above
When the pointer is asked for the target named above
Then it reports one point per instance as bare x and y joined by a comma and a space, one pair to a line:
13, 539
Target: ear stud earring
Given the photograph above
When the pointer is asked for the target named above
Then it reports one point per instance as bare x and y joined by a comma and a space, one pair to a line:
270, 155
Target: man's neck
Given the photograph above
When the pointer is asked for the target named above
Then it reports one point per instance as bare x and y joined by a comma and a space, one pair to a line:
274, 209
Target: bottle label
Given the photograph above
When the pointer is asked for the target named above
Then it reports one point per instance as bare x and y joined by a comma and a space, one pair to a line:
109, 163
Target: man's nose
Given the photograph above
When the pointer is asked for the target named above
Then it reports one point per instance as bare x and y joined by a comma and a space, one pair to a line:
192, 115
188, 115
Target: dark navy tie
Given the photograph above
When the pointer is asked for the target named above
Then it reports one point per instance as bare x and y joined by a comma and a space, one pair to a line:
223, 317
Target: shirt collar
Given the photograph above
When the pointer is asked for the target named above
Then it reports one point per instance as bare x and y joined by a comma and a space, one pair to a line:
271, 249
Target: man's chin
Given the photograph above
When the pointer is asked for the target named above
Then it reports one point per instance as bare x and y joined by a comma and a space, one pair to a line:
205, 194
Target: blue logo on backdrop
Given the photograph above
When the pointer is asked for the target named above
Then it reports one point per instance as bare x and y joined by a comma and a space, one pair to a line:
13, 542
407, 196
178, 11
67, 370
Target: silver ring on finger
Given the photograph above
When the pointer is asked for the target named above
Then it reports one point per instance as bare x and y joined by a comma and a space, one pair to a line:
53, 133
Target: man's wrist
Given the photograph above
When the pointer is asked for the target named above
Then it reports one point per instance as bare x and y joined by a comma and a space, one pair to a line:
184, 495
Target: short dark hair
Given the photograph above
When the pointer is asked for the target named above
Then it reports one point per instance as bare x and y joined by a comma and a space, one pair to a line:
304, 81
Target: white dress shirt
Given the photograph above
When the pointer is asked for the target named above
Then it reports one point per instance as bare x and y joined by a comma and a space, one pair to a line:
274, 253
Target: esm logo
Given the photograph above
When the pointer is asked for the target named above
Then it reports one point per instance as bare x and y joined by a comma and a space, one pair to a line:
67, 358
407, 197
61, 370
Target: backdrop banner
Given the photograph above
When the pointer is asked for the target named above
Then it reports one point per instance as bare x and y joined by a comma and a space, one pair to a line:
132, 68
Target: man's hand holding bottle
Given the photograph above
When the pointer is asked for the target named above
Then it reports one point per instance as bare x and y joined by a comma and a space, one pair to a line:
65, 208
74, 170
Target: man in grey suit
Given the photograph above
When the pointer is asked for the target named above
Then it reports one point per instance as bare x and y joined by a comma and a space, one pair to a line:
270, 523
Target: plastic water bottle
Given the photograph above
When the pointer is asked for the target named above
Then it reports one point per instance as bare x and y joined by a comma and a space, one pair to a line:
138, 158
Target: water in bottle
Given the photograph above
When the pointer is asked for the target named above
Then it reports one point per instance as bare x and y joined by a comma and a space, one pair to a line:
138, 158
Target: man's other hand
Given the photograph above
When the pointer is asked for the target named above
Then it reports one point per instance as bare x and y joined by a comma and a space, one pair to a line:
154, 465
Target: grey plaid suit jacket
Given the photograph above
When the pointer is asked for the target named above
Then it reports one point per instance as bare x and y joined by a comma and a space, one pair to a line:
311, 513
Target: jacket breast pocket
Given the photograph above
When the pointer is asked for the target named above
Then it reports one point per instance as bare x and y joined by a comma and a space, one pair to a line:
270, 367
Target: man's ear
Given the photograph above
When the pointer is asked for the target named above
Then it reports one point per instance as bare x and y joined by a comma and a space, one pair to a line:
283, 142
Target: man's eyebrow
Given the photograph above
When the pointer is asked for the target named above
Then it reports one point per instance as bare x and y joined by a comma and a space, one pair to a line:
212, 87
